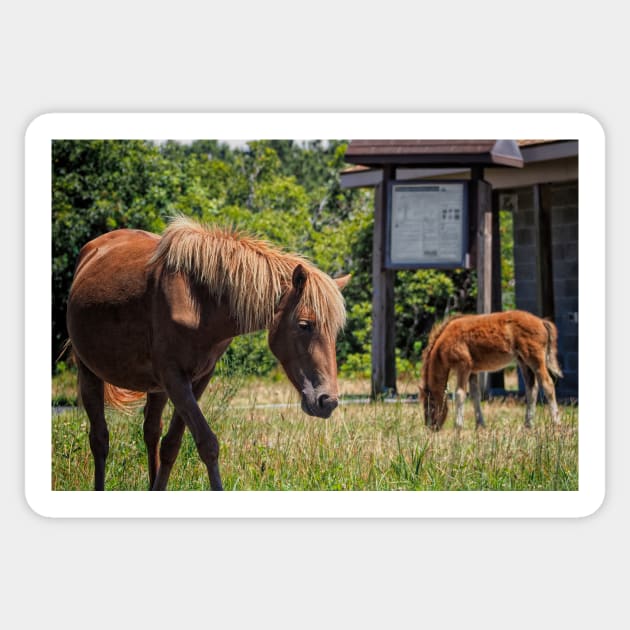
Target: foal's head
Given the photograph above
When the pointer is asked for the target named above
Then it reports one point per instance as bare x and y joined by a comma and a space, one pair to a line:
435, 408
302, 336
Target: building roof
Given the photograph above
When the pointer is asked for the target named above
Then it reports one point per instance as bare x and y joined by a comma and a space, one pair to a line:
435, 153
527, 143
544, 160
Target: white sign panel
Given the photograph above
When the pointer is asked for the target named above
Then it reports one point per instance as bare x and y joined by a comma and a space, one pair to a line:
427, 225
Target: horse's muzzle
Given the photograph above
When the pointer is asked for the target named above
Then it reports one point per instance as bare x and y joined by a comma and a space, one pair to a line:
321, 407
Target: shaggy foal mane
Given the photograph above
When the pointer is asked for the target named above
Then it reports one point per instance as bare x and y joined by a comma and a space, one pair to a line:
251, 274
434, 335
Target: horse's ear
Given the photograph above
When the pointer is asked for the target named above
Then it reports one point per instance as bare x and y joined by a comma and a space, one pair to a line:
342, 281
299, 278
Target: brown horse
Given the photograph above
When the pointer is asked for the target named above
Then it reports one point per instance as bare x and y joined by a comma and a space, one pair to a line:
154, 314
469, 344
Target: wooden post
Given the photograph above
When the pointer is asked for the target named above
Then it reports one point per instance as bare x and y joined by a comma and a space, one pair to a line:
497, 290
383, 324
482, 200
484, 247
542, 207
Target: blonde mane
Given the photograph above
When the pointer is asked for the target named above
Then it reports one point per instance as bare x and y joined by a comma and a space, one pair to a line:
249, 273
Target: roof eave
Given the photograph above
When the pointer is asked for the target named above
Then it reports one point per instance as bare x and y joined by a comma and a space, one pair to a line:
436, 161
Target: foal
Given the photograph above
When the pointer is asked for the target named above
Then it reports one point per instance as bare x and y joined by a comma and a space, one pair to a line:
469, 344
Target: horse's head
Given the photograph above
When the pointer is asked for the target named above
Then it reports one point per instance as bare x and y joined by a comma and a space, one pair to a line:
303, 342
435, 408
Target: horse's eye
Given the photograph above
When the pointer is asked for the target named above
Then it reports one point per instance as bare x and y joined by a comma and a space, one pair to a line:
305, 325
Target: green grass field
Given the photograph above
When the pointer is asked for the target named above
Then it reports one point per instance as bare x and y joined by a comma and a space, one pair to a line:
376, 446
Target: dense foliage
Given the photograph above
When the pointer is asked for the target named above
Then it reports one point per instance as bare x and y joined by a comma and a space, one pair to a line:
286, 191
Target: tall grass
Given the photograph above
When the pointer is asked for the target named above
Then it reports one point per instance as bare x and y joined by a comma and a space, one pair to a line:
376, 446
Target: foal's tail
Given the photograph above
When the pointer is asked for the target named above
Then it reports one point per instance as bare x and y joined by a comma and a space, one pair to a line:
552, 349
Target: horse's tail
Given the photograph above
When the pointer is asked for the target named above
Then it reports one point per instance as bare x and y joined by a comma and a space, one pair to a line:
121, 399
552, 349
124, 400
65, 348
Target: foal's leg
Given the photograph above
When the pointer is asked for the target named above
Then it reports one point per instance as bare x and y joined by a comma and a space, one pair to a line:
531, 393
172, 441
463, 376
153, 430
92, 396
475, 393
550, 393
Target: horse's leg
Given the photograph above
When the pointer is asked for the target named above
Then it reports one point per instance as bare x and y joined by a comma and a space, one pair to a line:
531, 392
475, 393
172, 441
169, 449
91, 389
152, 428
463, 375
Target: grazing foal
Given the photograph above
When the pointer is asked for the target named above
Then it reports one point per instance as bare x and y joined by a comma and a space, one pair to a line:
469, 344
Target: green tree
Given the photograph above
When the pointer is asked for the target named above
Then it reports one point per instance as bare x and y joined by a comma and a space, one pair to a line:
98, 186
284, 191
506, 232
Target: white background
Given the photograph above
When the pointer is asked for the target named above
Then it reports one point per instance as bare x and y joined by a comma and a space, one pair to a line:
367, 56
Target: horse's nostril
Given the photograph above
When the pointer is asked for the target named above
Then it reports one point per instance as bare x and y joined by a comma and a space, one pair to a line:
327, 402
